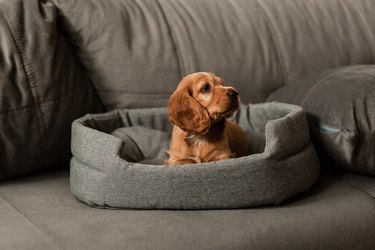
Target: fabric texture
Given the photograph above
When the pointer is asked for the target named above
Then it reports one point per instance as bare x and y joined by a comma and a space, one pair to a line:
340, 105
42, 88
137, 51
102, 175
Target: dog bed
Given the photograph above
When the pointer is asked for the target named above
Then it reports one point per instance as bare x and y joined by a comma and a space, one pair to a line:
118, 161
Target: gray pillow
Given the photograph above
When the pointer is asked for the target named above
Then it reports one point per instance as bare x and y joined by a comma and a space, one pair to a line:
42, 88
341, 113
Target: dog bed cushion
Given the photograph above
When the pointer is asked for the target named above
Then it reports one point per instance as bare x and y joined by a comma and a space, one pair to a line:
118, 161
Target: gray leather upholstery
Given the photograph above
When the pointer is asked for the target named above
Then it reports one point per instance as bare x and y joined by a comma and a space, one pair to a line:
42, 88
340, 105
39, 212
135, 52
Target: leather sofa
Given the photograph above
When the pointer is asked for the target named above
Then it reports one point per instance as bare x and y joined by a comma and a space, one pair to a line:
62, 59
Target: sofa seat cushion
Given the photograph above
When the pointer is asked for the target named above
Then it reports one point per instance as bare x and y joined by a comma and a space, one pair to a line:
41, 211
128, 47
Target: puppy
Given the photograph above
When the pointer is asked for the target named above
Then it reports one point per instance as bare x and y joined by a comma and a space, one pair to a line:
198, 109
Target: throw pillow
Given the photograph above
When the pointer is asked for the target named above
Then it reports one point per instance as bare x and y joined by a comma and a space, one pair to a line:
341, 111
42, 89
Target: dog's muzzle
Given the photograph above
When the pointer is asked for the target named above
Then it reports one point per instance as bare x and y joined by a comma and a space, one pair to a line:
233, 95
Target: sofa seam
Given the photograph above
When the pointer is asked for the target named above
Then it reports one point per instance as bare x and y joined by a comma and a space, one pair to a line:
173, 39
30, 75
359, 188
32, 221
316, 85
24, 109
325, 78
276, 44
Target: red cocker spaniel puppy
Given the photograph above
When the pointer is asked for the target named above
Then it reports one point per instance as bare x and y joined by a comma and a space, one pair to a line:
198, 109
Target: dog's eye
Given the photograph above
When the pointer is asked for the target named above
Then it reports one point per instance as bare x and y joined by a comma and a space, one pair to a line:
206, 87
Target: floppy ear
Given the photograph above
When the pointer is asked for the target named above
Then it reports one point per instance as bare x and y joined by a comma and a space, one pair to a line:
187, 113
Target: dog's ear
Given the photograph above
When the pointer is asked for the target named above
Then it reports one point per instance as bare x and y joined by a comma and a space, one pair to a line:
187, 113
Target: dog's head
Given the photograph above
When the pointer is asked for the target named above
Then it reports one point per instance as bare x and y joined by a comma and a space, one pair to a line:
200, 100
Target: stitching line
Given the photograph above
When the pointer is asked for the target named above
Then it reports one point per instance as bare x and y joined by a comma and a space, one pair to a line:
31, 79
316, 85
358, 187
28, 108
29, 219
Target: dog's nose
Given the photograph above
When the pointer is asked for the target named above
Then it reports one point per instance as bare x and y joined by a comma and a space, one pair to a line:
233, 95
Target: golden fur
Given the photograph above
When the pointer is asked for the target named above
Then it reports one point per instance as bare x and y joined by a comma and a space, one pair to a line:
198, 109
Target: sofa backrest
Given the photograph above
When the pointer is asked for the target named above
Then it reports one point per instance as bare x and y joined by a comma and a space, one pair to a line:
136, 51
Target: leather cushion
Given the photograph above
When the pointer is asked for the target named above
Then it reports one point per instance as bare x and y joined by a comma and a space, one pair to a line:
42, 88
136, 52
340, 105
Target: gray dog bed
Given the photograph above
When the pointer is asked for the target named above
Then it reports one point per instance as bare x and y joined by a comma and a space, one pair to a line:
118, 162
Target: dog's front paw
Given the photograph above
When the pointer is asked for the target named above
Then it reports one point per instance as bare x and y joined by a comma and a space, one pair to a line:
224, 156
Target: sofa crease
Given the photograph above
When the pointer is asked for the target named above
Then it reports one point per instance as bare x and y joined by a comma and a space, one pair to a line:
173, 39
275, 43
49, 237
30, 75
